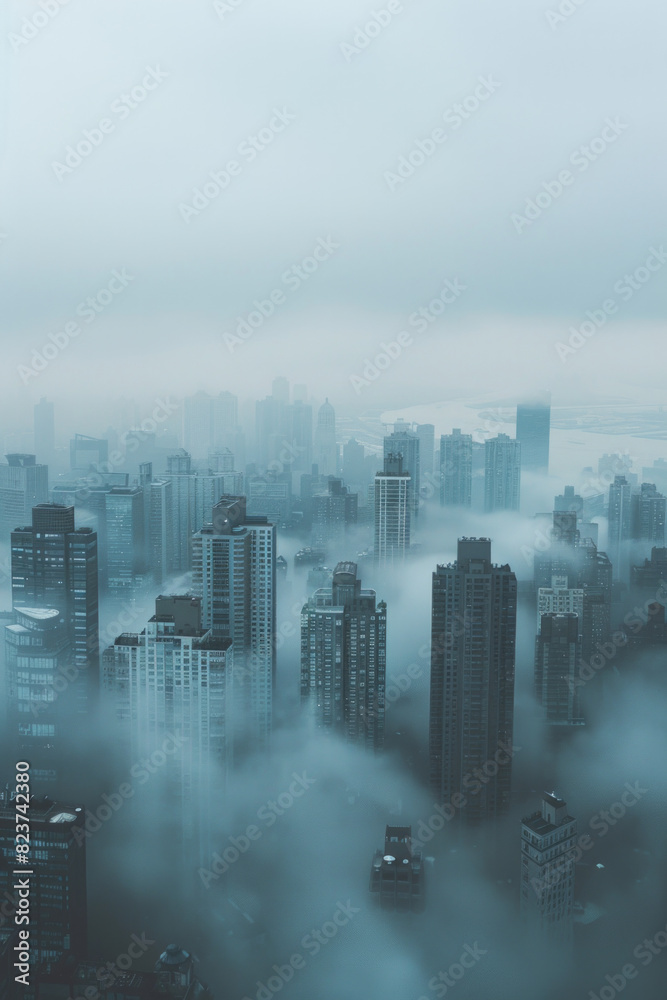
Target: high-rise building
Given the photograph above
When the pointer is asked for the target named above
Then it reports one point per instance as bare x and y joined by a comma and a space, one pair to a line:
326, 449
158, 523
58, 904
426, 435
40, 715
393, 505
557, 660
570, 501
533, 425
355, 469
648, 515
173, 680
456, 469
653, 572
45, 433
23, 484
270, 496
473, 630
194, 494
502, 474
234, 573
548, 841
206, 422
125, 540
619, 521
343, 659
333, 513
397, 874
403, 441
54, 565
559, 599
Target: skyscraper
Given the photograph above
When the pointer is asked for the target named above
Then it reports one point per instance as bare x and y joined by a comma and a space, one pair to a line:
159, 523
533, 425
173, 680
333, 513
557, 660
58, 904
456, 469
619, 522
473, 629
648, 515
23, 484
343, 658
45, 435
234, 573
403, 441
40, 714
426, 435
548, 840
502, 474
326, 449
194, 494
392, 512
125, 540
54, 565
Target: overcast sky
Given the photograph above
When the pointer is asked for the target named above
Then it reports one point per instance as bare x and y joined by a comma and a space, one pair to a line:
220, 72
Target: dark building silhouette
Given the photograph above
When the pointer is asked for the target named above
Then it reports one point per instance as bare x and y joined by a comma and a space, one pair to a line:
557, 660
397, 873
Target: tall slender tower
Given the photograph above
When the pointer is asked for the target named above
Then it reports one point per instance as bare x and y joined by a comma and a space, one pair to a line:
392, 512
473, 630
557, 658
502, 474
405, 442
456, 469
234, 574
547, 871
326, 449
343, 658
533, 426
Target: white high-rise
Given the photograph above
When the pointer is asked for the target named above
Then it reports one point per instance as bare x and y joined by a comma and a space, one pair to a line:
392, 497
234, 574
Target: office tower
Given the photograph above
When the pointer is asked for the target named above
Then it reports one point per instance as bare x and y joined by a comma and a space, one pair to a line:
456, 469
502, 474
557, 660
326, 449
343, 659
568, 500
548, 841
58, 904
270, 496
392, 512
653, 572
125, 540
595, 577
473, 630
23, 484
88, 453
333, 513
355, 470
40, 714
300, 430
173, 681
426, 435
648, 515
206, 422
533, 424
234, 573
158, 523
45, 433
194, 494
619, 522
54, 565
403, 441
397, 874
